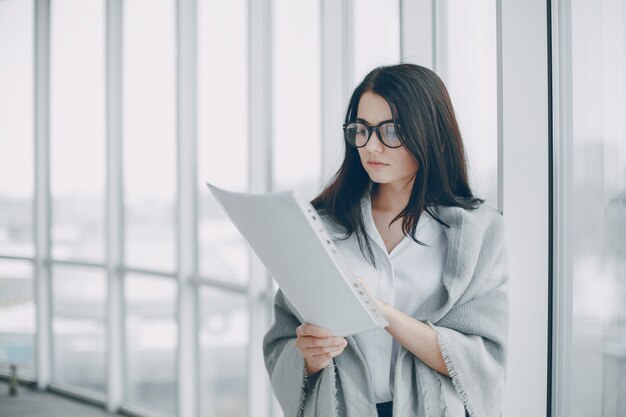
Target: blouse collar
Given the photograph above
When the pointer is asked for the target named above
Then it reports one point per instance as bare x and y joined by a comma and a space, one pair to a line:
370, 226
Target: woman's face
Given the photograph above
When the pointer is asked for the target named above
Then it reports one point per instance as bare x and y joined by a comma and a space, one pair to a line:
396, 165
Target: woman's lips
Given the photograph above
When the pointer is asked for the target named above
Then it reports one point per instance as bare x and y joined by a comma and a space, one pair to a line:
376, 164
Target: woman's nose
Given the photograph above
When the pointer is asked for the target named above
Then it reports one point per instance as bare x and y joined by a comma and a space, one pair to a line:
374, 144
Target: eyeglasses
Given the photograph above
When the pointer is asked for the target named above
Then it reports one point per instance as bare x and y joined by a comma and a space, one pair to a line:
358, 133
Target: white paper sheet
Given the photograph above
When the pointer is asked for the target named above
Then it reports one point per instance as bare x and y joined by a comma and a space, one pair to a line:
286, 233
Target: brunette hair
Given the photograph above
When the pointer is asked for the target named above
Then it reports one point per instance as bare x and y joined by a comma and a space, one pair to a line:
429, 131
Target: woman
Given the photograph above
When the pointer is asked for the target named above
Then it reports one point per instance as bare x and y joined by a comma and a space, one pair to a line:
430, 254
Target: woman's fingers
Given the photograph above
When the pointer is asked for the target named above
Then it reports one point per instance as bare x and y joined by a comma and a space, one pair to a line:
321, 361
318, 346
306, 342
316, 351
308, 329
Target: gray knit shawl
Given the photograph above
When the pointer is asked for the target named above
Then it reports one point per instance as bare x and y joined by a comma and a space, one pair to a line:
470, 312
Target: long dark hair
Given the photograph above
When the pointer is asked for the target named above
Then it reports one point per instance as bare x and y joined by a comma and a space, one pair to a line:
429, 131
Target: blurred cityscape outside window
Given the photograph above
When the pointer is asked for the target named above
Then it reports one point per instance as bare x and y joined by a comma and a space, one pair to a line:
598, 357
17, 169
79, 327
222, 134
77, 129
17, 310
149, 133
296, 97
224, 344
17, 318
467, 64
376, 36
151, 342
223, 159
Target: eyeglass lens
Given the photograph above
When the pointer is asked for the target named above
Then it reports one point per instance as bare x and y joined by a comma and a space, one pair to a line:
358, 134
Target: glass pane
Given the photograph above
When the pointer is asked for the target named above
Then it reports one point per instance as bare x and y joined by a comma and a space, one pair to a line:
376, 35
17, 317
224, 343
467, 63
79, 326
151, 342
222, 133
598, 258
150, 132
296, 128
77, 128
16, 128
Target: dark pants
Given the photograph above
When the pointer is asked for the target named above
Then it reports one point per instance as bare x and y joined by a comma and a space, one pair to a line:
384, 409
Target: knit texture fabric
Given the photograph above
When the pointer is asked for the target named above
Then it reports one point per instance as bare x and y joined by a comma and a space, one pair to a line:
470, 313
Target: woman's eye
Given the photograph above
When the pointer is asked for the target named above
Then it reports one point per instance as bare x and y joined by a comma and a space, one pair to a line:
390, 131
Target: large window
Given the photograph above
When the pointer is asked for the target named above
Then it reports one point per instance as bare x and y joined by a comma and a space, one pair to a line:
77, 144
17, 317
16, 128
598, 209
223, 159
151, 341
149, 133
224, 344
78, 323
17, 312
93, 90
466, 60
296, 83
77, 187
222, 134
376, 35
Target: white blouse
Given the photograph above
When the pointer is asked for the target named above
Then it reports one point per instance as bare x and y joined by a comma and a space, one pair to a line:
405, 278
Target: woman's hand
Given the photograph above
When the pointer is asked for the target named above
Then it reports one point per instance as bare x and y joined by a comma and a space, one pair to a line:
383, 307
317, 347
417, 337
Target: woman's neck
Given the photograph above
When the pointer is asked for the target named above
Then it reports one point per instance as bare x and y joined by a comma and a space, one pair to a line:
391, 197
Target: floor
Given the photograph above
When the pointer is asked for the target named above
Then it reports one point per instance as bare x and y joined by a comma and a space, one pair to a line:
34, 403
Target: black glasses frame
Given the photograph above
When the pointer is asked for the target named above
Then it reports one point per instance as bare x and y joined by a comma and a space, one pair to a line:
370, 129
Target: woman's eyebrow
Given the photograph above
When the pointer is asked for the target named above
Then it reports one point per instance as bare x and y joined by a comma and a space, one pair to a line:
365, 121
